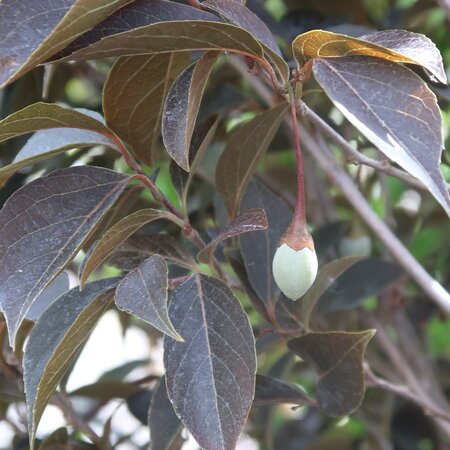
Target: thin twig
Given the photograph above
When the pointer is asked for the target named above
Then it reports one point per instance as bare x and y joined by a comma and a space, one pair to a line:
71, 415
353, 155
403, 391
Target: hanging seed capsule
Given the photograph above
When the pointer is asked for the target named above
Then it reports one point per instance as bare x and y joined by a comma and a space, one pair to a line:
295, 262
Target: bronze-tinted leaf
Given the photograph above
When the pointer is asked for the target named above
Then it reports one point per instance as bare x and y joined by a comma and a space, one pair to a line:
53, 343
143, 292
211, 376
201, 139
32, 32
182, 106
392, 45
416, 46
251, 220
163, 422
133, 97
136, 249
325, 278
270, 391
338, 359
242, 153
164, 37
117, 234
240, 15
42, 227
394, 109
137, 15
51, 141
57, 440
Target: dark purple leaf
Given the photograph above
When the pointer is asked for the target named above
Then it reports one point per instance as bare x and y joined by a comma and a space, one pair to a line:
182, 106
51, 141
138, 14
338, 359
326, 276
163, 422
394, 109
258, 250
136, 249
364, 279
416, 46
116, 235
143, 292
211, 376
53, 342
201, 139
251, 220
241, 16
33, 31
59, 286
42, 227
270, 391
244, 149
133, 98
139, 403
166, 37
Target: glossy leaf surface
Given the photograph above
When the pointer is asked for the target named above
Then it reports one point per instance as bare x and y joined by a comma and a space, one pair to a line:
393, 45
394, 109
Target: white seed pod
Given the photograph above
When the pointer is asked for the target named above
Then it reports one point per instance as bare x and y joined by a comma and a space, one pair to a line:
294, 270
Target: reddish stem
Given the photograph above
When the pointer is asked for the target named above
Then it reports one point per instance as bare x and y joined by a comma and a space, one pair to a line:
297, 235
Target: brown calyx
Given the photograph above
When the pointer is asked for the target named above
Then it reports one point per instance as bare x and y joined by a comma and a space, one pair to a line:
297, 236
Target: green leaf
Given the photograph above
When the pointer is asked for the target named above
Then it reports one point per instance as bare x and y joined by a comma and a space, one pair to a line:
143, 292
116, 235
242, 153
80, 131
53, 343
325, 278
251, 220
394, 109
106, 390
163, 422
182, 106
392, 45
43, 225
133, 97
34, 30
338, 359
219, 345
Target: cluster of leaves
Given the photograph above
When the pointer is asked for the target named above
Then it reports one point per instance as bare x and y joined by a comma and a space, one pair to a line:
210, 300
